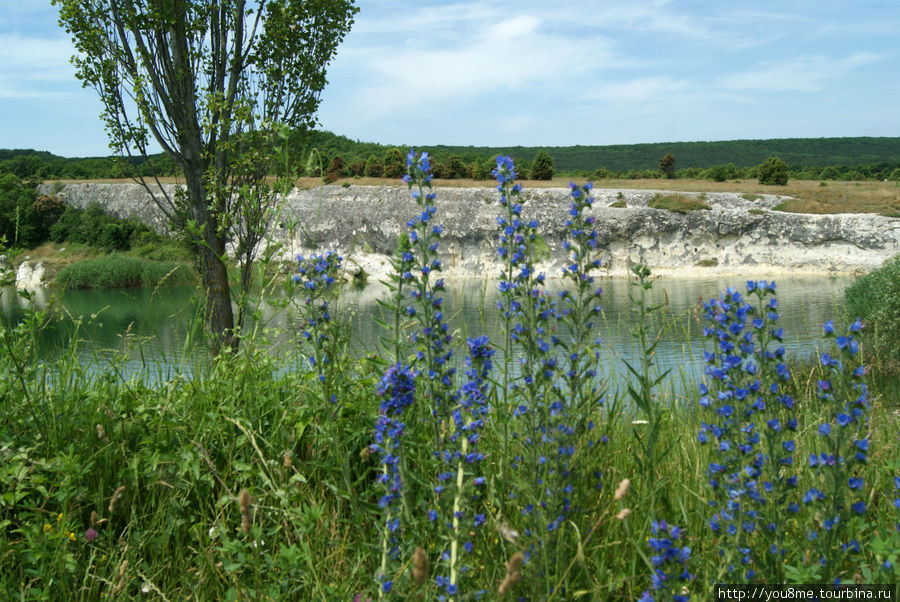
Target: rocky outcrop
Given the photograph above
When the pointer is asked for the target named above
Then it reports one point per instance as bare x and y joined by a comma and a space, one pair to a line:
735, 235
30, 277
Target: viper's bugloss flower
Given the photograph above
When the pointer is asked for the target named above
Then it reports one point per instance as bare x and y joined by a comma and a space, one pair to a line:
670, 574
397, 392
750, 476
419, 264
540, 418
317, 276
843, 436
463, 459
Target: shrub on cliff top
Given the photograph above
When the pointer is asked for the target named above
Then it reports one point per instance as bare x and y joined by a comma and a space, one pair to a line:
773, 171
542, 168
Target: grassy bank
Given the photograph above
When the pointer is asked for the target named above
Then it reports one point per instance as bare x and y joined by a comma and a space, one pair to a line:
437, 468
115, 488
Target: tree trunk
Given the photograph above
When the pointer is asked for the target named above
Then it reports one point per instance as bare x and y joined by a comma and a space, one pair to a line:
209, 249
219, 315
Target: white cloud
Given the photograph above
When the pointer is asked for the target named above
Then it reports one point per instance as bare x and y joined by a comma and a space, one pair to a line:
492, 56
802, 74
31, 66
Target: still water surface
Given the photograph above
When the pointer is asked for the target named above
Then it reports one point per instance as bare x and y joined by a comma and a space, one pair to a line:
113, 322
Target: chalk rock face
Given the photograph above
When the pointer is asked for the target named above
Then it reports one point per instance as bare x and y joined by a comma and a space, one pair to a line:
124, 200
364, 223
30, 277
736, 235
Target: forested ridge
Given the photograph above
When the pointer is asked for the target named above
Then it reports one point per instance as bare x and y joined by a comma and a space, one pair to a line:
813, 158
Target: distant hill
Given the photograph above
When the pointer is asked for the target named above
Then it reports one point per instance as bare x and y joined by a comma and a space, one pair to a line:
806, 152
812, 154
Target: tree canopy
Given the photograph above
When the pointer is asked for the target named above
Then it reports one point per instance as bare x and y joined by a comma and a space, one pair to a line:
214, 83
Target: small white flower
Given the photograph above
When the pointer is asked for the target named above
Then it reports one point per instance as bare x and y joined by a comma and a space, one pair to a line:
639, 422
145, 588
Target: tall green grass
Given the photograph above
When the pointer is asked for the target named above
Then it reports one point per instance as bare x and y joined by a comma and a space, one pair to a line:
119, 271
875, 298
155, 467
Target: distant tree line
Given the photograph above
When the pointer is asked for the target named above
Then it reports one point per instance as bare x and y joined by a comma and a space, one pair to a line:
46, 166
333, 157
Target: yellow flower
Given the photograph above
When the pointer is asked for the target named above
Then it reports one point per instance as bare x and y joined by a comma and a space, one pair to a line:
71, 536
59, 517
47, 527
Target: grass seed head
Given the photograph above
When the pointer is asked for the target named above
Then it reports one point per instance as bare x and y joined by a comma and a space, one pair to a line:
513, 573
420, 566
120, 491
246, 509
622, 489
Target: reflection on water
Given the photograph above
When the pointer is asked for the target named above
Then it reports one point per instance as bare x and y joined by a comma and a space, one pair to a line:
805, 303
160, 319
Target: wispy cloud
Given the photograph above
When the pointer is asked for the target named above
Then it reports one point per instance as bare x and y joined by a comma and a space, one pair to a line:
802, 74
511, 54
34, 67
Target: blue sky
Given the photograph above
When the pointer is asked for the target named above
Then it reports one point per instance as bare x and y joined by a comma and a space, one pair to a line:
538, 73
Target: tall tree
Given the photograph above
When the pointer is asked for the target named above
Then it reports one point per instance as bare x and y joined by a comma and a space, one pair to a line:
214, 83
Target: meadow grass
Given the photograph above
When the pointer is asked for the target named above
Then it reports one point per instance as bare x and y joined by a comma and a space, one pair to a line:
151, 475
313, 474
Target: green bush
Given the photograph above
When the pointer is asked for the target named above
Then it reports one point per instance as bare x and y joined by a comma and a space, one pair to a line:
394, 163
456, 168
119, 271
92, 226
721, 173
601, 173
773, 171
542, 168
374, 167
875, 299
20, 224
667, 166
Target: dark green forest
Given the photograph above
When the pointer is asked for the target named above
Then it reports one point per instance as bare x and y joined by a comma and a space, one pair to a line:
332, 156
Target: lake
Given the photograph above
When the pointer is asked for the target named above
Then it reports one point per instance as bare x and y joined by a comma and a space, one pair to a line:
150, 327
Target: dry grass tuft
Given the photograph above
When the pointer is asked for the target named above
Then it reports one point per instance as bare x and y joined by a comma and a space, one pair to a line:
679, 203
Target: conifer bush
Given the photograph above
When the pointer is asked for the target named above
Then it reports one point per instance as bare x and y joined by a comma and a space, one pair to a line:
542, 168
773, 171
